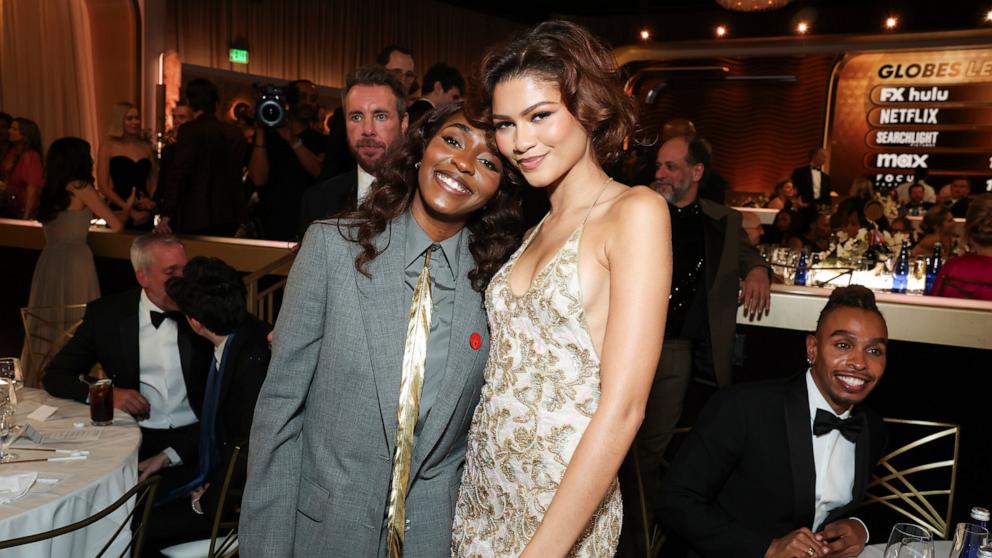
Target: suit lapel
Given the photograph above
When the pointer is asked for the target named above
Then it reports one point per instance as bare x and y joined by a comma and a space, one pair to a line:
800, 437
714, 230
469, 317
384, 311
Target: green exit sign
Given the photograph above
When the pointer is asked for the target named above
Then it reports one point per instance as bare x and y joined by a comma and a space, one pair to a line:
238, 56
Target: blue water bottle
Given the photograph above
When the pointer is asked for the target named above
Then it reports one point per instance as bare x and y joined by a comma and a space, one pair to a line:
933, 268
900, 271
802, 268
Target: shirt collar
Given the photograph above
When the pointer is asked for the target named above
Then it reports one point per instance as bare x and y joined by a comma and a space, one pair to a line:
417, 242
146, 306
364, 177
817, 401
691, 210
219, 350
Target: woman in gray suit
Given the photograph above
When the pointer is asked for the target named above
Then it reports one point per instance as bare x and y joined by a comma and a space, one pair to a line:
330, 415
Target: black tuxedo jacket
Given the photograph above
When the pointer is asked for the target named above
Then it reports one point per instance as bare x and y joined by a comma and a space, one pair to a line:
729, 257
745, 474
802, 179
109, 335
244, 373
203, 188
329, 197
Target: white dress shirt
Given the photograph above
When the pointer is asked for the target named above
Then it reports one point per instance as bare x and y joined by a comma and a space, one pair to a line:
833, 458
161, 373
364, 185
817, 179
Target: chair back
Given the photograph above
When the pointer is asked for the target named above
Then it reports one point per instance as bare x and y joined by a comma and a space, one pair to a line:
915, 480
226, 545
145, 492
46, 329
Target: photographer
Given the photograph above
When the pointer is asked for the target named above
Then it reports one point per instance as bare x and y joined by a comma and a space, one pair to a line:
286, 159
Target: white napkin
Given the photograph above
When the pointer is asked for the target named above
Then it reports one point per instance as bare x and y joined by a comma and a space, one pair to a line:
14, 487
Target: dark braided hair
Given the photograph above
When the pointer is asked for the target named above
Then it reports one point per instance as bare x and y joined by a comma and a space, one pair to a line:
852, 296
496, 229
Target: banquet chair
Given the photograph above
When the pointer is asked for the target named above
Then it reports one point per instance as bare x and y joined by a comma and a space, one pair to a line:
145, 491
915, 480
59, 331
212, 547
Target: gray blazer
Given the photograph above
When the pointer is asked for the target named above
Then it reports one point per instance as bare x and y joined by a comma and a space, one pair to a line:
325, 424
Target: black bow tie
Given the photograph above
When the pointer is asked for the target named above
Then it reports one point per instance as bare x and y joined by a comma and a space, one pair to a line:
826, 421
157, 317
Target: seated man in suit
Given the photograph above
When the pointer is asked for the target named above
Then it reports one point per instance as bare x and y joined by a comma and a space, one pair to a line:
375, 118
157, 363
774, 469
211, 295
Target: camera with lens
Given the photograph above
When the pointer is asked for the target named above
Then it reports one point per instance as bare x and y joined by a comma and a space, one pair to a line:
271, 105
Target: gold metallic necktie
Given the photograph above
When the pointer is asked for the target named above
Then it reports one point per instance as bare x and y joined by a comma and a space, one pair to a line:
414, 354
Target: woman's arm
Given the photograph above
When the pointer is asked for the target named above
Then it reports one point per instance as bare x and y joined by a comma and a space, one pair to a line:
88, 195
638, 249
103, 184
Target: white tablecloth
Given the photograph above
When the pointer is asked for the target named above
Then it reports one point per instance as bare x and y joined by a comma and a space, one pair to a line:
83, 487
941, 550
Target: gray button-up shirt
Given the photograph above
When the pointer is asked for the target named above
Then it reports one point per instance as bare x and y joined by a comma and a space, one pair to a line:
444, 266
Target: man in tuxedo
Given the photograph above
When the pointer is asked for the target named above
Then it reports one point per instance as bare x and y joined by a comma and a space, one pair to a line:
158, 364
812, 184
443, 84
211, 295
916, 205
375, 118
715, 267
960, 190
774, 469
203, 192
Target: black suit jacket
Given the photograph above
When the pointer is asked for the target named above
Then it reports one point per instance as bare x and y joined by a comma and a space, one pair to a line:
109, 335
329, 197
802, 179
745, 474
244, 373
203, 187
729, 257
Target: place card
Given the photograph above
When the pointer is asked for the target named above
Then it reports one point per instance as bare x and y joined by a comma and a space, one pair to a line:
42, 413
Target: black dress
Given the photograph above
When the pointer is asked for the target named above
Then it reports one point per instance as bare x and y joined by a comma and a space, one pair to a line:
126, 173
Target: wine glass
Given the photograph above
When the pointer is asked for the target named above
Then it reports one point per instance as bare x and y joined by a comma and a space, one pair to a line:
909, 540
8, 433
10, 369
968, 538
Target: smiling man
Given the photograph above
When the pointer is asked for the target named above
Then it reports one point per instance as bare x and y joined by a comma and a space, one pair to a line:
375, 118
774, 469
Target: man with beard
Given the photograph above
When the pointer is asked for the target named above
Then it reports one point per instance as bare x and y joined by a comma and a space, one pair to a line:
375, 118
285, 161
714, 268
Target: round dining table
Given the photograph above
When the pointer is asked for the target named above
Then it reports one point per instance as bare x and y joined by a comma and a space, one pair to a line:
942, 549
67, 491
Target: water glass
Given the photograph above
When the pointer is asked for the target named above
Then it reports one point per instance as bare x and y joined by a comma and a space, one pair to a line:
909, 540
10, 369
968, 538
8, 433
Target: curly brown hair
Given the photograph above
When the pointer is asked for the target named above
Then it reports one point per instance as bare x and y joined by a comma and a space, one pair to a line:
584, 71
978, 220
496, 229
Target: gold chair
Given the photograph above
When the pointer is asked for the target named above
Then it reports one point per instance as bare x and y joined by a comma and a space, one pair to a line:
44, 335
911, 481
226, 546
145, 491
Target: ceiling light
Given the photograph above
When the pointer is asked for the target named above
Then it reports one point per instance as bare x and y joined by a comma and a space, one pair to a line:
721, 30
752, 5
802, 28
891, 22
645, 34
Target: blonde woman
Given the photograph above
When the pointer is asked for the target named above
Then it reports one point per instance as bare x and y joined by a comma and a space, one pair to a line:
126, 160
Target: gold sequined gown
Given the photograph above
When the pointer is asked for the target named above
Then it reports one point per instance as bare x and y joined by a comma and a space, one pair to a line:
542, 388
